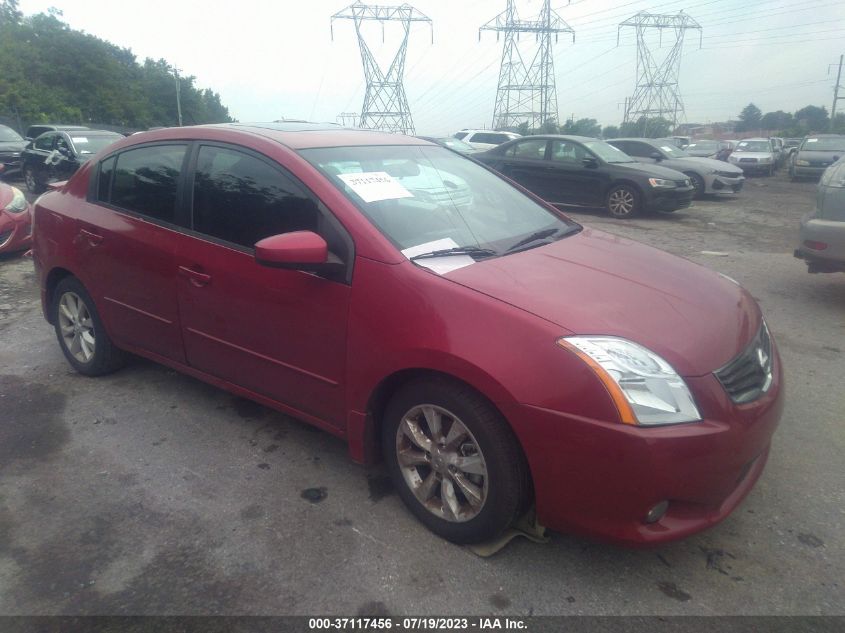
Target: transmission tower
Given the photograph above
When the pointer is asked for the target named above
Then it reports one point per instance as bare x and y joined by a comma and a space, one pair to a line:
526, 92
385, 104
657, 94
348, 119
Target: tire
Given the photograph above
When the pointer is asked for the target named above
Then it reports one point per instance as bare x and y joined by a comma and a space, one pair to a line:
427, 471
623, 202
80, 331
698, 184
31, 180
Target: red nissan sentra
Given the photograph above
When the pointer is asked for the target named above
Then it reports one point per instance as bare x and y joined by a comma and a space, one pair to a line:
493, 352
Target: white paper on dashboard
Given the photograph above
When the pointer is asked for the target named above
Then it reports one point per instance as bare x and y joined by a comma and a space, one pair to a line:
373, 186
440, 265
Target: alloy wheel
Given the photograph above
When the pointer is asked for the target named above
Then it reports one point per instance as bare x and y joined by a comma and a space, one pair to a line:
29, 179
441, 463
621, 202
76, 327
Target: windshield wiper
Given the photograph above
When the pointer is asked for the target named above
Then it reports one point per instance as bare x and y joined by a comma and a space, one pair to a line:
457, 250
542, 235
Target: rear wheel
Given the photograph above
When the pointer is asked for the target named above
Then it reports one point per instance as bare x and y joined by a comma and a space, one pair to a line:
454, 461
623, 201
80, 331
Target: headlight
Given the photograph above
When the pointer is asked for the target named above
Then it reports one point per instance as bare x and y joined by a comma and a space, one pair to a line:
803, 163
18, 203
660, 183
644, 387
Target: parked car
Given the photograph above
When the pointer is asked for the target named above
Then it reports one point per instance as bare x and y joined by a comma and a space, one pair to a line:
815, 154
703, 149
790, 146
707, 175
15, 220
822, 233
499, 355
485, 139
578, 170
11, 146
34, 131
452, 143
57, 155
754, 155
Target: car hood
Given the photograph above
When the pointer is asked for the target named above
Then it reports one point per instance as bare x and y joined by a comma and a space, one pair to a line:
651, 171
12, 146
710, 163
831, 156
597, 283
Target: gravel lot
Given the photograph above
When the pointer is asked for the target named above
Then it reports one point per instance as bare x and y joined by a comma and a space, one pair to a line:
148, 492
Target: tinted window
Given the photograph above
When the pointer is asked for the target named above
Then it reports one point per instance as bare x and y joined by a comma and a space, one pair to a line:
45, 142
145, 180
568, 152
104, 179
460, 135
242, 199
487, 137
531, 149
640, 150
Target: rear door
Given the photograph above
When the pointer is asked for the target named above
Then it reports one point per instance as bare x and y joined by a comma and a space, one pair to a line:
524, 162
279, 333
126, 237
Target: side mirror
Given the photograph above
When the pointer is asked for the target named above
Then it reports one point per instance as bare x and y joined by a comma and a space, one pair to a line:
299, 250
656, 156
591, 163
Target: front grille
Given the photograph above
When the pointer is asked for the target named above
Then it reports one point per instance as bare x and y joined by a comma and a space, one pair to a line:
747, 160
749, 375
727, 174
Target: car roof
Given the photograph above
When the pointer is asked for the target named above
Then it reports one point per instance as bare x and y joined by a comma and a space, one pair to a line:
754, 138
295, 135
650, 141
94, 132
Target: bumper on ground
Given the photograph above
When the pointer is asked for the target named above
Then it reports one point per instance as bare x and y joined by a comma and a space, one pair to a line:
602, 479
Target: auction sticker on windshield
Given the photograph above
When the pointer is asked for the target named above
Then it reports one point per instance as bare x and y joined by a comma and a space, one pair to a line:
440, 265
373, 186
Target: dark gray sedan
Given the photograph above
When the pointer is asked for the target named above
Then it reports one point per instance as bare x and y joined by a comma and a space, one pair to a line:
823, 229
815, 154
707, 175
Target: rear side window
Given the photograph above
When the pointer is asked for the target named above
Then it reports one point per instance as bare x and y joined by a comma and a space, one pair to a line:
640, 150
534, 149
487, 137
459, 135
104, 179
146, 179
45, 141
241, 199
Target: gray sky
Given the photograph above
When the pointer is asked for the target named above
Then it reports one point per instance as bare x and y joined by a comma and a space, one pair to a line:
274, 59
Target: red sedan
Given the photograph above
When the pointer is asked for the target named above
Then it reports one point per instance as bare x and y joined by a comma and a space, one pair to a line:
493, 352
15, 220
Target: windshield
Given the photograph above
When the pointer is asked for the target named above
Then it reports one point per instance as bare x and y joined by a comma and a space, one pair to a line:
673, 152
428, 198
89, 145
824, 144
753, 146
607, 152
7, 135
709, 146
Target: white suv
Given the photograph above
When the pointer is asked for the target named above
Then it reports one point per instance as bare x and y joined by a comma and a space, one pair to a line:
485, 139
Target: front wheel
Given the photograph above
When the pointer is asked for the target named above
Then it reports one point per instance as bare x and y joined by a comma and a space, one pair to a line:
31, 180
454, 461
623, 201
697, 183
80, 331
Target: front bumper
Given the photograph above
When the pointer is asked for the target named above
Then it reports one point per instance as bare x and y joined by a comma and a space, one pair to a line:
811, 171
15, 231
600, 479
754, 168
669, 199
718, 183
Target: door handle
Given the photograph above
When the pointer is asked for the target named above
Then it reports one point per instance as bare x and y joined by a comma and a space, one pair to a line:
196, 278
93, 238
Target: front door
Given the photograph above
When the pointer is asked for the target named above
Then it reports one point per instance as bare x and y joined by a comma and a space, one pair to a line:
572, 180
279, 333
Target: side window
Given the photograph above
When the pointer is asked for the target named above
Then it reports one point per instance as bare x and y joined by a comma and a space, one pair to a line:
45, 142
566, 152
534, 149
104, 179
622, 145
639, 150
242, 199
459, 135
145, 180
61, 143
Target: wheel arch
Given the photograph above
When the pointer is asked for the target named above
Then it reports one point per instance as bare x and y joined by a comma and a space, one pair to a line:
52, 280
625, 181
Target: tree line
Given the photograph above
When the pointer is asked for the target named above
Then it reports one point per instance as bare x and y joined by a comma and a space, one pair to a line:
52, 73
808, 120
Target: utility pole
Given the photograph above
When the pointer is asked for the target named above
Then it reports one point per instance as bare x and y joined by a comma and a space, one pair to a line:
385, 104
836, 96
526, 92
656, 93
178, 95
